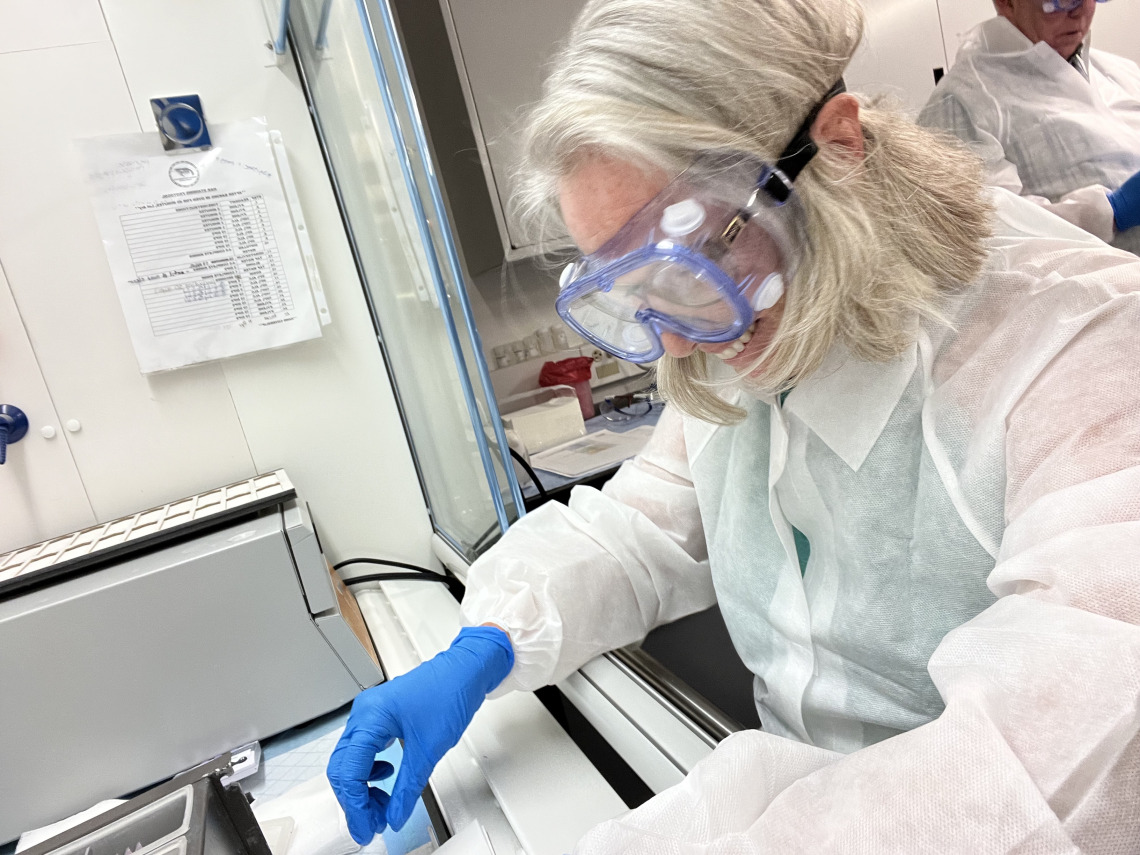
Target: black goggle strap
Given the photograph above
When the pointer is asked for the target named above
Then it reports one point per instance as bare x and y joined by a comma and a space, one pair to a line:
799, 152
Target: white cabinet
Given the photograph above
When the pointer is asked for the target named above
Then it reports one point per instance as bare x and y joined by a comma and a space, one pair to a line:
49, 23
323, 410
65, 358
181, 428
41, 493
501, 47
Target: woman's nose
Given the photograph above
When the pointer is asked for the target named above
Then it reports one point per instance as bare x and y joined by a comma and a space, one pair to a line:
676, 345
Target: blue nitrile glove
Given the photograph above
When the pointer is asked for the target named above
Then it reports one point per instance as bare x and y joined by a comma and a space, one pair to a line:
429, 708
1125, 202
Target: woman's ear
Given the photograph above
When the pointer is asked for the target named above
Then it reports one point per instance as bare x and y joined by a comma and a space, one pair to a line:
838, 123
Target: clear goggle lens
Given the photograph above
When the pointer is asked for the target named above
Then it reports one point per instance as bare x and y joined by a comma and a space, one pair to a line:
671, 293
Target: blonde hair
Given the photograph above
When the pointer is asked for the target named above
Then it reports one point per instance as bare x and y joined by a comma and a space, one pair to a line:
654, 82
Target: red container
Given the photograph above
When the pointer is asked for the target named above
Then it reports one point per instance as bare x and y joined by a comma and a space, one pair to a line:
573, 372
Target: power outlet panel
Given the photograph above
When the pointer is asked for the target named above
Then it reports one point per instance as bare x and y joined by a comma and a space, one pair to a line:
608, 368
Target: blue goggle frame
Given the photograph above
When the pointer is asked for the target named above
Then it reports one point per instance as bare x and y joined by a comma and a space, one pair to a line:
649, 322
1052, 6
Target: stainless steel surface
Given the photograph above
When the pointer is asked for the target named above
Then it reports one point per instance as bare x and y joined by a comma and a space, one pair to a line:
689, 705
193, 814
311, 565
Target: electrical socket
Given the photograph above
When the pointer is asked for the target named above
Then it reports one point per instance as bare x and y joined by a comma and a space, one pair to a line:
606, 368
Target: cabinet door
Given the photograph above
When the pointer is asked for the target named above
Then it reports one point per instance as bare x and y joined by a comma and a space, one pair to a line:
503, 46
901, 49
49, 23
141, 440
41, 495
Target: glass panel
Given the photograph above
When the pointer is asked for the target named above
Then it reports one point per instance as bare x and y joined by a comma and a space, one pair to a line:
399, 231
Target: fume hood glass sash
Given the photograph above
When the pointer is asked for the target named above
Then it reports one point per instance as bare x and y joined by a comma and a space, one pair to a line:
377, 149
437, 242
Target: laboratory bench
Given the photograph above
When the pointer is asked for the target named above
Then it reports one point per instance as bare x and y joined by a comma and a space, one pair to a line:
557, 487
515, 770
522, 770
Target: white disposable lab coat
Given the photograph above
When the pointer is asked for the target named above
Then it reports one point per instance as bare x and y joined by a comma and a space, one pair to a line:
1043, 130
958, 670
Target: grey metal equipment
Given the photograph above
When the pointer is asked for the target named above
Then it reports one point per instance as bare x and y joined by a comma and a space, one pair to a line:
144, 646
193, 814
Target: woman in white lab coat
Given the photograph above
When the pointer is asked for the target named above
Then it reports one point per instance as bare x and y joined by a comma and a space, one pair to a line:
935, 386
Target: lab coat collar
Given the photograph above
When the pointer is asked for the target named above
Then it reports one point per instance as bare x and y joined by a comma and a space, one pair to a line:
848, 401
999, 36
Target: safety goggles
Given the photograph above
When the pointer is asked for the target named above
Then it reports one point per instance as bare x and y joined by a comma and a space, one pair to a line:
1051, 6
701, 259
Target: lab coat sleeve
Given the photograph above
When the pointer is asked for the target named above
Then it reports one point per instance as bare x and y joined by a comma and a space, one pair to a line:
570, 582
1038, 749
1087, 207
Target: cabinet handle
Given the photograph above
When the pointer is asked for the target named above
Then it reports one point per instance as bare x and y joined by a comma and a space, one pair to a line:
13, 426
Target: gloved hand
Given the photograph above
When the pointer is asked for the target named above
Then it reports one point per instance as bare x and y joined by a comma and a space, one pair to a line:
429, 708
1125, 202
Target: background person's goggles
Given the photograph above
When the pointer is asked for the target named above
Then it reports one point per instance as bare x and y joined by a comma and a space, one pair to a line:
700, 260
1064, 5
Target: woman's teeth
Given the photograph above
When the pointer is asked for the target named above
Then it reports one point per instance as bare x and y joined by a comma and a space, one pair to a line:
737, 346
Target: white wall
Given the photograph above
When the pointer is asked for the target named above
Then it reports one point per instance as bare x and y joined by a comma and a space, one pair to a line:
1116, 28
902, 45
323, 410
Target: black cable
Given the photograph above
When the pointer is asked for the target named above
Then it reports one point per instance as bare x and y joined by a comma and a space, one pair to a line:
621, 402
542, 494
383, 562
419, 573
452, 583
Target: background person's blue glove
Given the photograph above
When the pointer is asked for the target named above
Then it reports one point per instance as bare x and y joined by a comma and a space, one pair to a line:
1125, 203
429, 708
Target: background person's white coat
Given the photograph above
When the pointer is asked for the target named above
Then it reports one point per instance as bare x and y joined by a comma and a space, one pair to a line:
1043, 130
1019, 425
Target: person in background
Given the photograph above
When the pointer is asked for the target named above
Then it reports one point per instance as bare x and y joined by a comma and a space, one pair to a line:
900, 452
1053, 120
